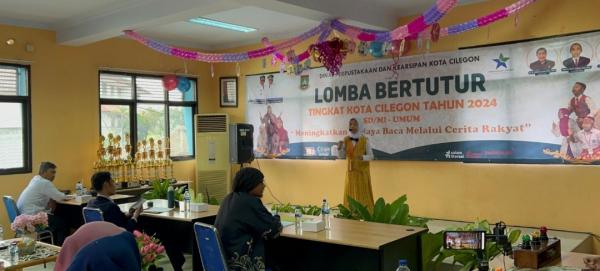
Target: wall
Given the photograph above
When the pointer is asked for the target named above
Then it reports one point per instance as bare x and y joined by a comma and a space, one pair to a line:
64, 87
558, 196
65, 129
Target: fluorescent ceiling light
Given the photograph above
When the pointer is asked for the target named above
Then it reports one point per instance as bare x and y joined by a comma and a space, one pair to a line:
228, 26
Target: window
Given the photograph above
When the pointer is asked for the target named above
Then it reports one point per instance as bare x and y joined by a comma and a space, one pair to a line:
139, 105
15, 119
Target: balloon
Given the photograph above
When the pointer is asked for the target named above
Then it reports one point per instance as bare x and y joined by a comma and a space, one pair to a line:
183, 84
169, 82
376, 49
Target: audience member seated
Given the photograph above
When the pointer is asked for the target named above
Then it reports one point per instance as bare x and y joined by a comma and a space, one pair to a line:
105, 186
244, 223
117, 252
41, 195
84, 235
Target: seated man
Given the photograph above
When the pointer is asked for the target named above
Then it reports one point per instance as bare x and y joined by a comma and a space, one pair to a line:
105, 186
39, 194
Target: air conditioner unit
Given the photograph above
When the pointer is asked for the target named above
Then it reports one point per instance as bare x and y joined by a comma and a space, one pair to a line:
212, 155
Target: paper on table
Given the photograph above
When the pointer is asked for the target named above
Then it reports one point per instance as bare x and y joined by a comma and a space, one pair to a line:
157, 210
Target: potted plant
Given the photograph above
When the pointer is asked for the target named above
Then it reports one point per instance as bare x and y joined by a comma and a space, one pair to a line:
151, 250
27, 227
159, 191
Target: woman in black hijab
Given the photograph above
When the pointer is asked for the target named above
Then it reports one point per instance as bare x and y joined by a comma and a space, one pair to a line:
244, 223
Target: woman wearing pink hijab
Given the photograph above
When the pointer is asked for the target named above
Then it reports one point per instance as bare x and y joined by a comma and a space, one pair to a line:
83, 236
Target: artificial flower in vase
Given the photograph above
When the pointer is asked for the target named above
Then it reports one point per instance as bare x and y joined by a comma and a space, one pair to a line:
27, 227
150, 250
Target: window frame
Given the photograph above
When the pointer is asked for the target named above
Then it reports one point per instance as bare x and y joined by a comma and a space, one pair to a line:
134, 102
26, 122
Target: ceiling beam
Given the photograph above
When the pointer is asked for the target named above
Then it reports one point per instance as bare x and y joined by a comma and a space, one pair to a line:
133, 14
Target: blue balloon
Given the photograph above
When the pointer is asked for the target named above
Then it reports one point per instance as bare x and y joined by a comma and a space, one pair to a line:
183, 84
376, 49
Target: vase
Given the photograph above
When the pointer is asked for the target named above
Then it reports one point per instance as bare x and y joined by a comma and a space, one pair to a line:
154, 268
27, 243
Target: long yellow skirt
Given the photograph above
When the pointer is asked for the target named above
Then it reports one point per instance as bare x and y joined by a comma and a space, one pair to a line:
358, 186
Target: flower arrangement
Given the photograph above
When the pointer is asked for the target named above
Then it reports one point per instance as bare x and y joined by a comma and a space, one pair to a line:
27, 226
30, 223
150, 248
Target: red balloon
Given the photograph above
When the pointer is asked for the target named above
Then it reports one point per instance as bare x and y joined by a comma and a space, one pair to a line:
170, 82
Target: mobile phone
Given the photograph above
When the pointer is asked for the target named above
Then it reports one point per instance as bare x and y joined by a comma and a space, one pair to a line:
464, 240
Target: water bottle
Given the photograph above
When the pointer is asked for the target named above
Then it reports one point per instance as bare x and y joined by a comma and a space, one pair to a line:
325, 214
298, 218
79, 188
171, 198
186, 201
402, 265
13, 250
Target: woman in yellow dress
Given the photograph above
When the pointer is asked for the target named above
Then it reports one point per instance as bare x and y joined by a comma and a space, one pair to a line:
358, 152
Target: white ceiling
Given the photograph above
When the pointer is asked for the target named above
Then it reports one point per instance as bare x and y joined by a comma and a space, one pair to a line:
40, 13
79, 22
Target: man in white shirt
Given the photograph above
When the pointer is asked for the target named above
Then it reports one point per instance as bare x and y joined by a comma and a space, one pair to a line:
39, 195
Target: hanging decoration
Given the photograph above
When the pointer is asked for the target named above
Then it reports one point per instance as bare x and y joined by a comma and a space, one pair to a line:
169, 82
413, 30
278, 56
363, 48
297, 69
417, 25
330, 53
183, 84
353, 31
376, 49
398, 48
435, 32
226, 57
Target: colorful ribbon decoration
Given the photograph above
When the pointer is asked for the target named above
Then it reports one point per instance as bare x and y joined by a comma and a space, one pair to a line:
485, 20
412, 30
431, 16
231, 57
446, 31
302, 56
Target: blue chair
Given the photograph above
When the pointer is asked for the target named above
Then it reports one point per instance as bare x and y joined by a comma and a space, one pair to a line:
209, 246
92, 214
12, 211
11, 208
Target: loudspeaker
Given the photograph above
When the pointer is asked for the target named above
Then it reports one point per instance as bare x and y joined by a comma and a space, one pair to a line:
241, 143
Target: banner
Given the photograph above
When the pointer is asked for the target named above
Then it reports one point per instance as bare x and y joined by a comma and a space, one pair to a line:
530, 102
